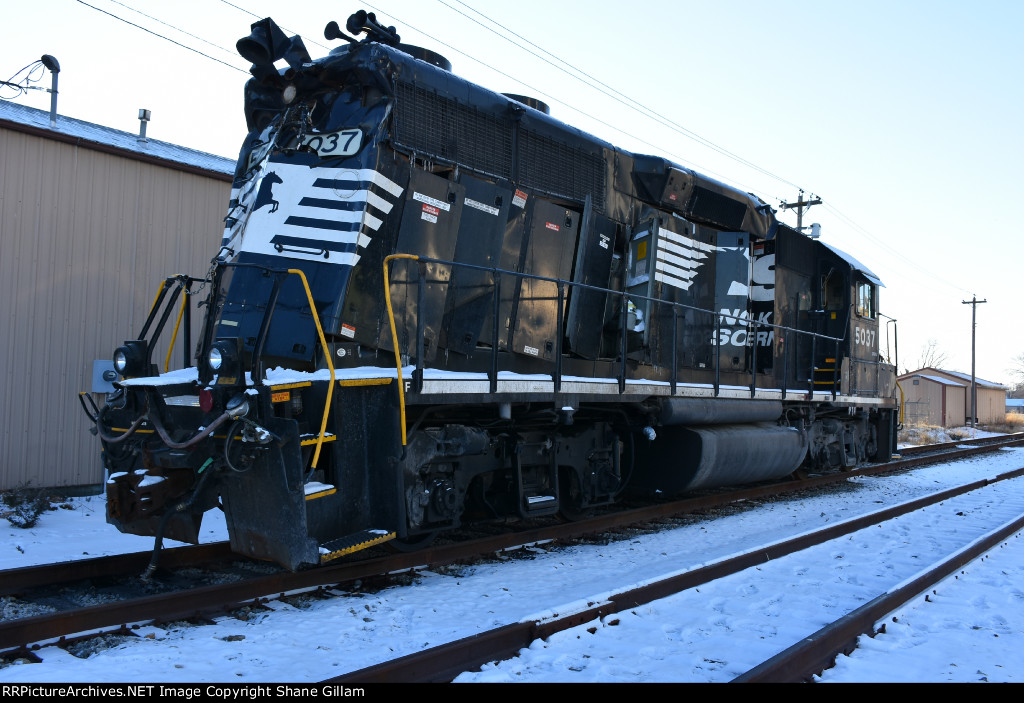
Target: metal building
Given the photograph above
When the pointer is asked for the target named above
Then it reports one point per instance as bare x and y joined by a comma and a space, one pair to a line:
91, 221
943, 398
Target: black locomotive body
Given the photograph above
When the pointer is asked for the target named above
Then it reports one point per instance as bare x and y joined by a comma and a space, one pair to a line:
435, 304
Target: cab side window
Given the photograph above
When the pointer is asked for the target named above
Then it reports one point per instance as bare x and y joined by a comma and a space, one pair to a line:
866, 299
832, 291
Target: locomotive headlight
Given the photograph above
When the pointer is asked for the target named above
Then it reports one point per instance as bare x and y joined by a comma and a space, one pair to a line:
120, 360
216, 359
223, 357
132, 358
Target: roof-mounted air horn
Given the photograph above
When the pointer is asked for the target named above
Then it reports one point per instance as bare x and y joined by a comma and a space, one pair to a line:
362, 21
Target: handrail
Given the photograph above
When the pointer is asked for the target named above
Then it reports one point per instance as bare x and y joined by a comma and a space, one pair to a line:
327, 357
174, 334
719, 316
186, 281
394, 333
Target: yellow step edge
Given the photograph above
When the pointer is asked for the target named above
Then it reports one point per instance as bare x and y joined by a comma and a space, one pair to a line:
322, 494
327, 438
357, 547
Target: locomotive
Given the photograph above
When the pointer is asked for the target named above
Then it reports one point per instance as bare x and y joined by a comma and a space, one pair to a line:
434, 305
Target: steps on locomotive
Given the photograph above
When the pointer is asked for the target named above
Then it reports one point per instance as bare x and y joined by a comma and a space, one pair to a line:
353, 543
315, 489
825, 376
341, 546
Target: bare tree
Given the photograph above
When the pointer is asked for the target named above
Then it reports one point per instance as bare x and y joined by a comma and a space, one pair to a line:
1017, 371
932, 356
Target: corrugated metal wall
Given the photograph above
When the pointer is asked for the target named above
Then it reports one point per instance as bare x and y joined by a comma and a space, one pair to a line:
85, 238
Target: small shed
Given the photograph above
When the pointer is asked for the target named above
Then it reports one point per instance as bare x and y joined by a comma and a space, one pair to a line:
932, 400
942, 397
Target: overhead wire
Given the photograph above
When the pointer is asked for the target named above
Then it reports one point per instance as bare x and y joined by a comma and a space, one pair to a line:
848, 221
613, 93
175, 28
161, 36
577, 74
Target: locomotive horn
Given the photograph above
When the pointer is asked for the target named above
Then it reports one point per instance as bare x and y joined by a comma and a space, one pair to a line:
333, 31
363, 21
264, 45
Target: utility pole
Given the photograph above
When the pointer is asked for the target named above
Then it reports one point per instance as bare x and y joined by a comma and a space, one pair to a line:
800, 204
974, 303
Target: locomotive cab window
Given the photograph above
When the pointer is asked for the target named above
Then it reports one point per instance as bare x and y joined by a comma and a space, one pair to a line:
832, 297
866, 299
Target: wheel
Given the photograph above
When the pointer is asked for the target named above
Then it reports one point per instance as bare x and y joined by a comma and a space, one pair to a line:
570, 499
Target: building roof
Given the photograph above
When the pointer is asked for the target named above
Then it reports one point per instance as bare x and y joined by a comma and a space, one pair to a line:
965, 377
70, 129
1015, 402
937, 379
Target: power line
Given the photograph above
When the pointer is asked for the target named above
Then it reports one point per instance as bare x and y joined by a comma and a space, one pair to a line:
156, 34
175, 28
883, 245
584, 78
632, 102
283, 29
556, 100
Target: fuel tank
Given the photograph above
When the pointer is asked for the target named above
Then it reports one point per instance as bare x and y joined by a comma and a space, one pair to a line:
683, 458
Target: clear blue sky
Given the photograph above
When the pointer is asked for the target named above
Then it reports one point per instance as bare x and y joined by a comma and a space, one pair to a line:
903, 117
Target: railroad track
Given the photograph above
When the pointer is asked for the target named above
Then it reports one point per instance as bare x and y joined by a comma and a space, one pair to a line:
798, 663
19, 637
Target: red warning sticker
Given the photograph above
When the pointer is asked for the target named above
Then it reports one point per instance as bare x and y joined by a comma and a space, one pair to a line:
552, 225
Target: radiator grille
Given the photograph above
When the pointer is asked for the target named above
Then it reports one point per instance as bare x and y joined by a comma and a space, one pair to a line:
716, 209
559, 169
445, 129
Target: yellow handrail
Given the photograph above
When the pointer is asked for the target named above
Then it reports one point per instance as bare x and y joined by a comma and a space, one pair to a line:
902, 401
159, 290
174, 335
327, 357
394, 335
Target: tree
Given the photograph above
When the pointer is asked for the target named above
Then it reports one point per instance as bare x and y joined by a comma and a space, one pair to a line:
1017, 371
931, 356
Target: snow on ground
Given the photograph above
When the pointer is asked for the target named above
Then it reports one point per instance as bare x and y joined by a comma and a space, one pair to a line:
972, 631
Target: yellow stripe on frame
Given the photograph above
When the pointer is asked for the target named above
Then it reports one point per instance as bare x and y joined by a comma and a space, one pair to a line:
289, 386
365, 382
